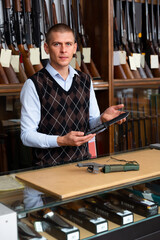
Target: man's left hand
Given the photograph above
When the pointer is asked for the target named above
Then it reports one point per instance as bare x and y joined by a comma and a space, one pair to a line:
112, 112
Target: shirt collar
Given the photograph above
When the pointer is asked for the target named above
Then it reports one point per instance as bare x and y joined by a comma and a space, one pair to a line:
53, 72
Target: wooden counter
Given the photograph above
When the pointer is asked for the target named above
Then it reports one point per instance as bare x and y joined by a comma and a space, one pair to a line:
68, 181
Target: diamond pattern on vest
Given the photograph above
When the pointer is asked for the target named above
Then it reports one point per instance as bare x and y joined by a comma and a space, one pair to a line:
62, 112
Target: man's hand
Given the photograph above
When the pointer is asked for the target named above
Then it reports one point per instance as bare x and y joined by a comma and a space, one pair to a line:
74, 138
112, 112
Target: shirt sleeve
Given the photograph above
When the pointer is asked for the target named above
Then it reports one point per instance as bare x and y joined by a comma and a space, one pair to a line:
94, 112
30, 118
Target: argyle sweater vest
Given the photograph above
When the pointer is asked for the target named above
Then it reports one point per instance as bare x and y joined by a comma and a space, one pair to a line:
61, 112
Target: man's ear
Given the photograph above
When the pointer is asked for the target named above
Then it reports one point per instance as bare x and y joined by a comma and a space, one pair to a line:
46, 49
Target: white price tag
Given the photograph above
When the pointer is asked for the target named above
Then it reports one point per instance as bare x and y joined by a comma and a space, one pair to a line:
154, 61
73, 236
137, 59
44, 55
38, 226
116, 58
147, 202
15, 62
86, 54
5, 57
128, 219
78, 53
102, 227
132, 63
34, 56
122, 55
142, 60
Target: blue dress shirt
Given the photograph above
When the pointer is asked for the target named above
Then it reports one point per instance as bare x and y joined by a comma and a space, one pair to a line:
31, 110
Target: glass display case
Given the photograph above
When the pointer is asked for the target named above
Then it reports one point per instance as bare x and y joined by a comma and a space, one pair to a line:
65, 191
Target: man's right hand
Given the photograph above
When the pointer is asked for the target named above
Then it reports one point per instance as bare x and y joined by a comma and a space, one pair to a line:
74, 138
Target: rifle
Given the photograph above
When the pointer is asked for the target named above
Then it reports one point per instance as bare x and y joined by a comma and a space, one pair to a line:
126, 123
149, 49
132, 125
72, 25
139, 123
10, 73
3, 76
132, 35
119, 72
124, 39
138, 33
62, 10
47, 21
92, 68
150, 113
19, 36
117, 42
121, 135
38, 28
158, 24
156, 111
53, 15
154, 32
145, 132
9, 33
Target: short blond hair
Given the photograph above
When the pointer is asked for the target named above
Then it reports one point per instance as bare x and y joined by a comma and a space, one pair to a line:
59, 27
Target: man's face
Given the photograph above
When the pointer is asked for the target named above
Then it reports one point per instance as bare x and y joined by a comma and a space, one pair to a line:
61, 48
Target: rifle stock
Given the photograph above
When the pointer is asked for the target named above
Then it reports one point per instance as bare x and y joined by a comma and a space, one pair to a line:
93, 70
28, 31
127, 71
72, 25
119, 72
3, 77
8, 31
18, 29
53, 13
135, 73
125, 67
11, 75
21, 74
85, 69
149, 38
26, 61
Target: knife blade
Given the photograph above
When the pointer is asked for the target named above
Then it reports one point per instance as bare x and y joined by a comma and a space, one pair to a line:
105, 125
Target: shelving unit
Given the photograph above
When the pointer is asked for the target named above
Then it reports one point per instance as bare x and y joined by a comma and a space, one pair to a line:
101, 40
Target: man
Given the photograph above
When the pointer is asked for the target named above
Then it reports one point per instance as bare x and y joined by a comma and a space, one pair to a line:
59, 105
